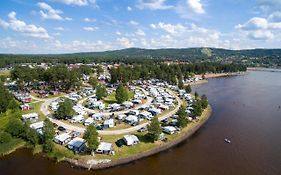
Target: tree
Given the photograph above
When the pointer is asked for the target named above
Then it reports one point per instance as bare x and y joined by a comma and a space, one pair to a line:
180, 83
197, 111
5, 137
65, 110
48, 135
5, 99
99, 70
101, 92
204, 101
182, 119
122, 93
93, 82
188, 89
91, 136
196, 95
154, 129
30, 135
15, 127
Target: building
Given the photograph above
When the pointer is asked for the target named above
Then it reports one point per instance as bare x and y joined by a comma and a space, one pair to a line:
24, 107
105, 148
131, 140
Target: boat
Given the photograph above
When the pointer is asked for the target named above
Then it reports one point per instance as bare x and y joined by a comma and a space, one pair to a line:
227, 140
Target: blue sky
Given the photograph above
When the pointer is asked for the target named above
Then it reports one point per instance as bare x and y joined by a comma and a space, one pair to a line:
66, 26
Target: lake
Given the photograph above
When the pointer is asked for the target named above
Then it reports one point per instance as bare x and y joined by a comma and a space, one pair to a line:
246, 110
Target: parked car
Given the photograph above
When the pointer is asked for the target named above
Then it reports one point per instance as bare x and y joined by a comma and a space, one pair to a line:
119, 143
143, 129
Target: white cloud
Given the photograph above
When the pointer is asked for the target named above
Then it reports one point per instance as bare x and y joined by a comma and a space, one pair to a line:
261, 35
170, 28
59, 28
47, 12
153, 5
77, 2
134, 23
258, 28
26, 29
129, 8
118, 33
125, 42
196, 6
90, 20
90, 29
140, 32
253, 24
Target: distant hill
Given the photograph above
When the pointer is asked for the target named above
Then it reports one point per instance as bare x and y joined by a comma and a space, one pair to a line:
270, 56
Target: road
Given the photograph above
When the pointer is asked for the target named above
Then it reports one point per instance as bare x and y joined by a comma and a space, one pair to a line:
45, 110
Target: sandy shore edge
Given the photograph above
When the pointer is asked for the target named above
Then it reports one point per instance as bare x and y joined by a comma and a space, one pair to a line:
185, 134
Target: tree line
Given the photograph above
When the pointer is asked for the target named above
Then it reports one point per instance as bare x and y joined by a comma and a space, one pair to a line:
56, 77
170, 73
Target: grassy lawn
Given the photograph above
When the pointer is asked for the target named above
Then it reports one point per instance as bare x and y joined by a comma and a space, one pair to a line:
11, 146
60, 152
5, 73
49, 96
111, 98
35, 107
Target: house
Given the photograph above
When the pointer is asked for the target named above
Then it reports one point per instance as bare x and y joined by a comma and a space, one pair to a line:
62, 138
38, 126
77, 145
109, 123
24, 107
31, 117
169, 130
88, 121
105, 148
77, 119
131, 140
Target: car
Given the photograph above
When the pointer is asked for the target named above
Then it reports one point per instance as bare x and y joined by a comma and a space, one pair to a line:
61, 129
119, 143
135, 124
143, 129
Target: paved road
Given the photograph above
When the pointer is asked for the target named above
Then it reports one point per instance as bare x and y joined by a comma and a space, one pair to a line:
45, 110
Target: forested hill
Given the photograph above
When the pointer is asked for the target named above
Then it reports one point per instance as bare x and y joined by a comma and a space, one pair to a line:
268, 56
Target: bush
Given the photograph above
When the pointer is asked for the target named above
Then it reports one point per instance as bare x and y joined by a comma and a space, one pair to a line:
5, 137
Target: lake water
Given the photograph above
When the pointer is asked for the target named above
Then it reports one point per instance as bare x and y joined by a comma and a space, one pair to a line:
245, 110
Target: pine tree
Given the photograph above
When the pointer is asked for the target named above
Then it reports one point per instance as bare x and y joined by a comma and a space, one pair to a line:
91, 136
154, 129
188, 89
122, 93
182, 119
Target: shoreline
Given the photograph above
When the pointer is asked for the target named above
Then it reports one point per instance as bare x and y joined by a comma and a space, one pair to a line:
186, 133
263, 69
